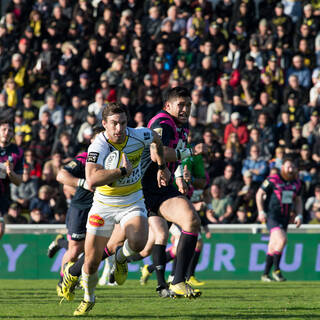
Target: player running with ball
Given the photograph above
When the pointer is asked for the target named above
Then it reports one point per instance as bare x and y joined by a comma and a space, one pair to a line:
118, 197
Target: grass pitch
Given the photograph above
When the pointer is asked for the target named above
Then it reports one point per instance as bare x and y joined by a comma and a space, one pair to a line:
37, 299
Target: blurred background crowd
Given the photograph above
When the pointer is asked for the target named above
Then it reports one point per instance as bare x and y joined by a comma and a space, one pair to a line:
253, 69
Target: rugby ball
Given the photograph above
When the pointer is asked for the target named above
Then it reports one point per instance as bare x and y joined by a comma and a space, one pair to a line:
113, 160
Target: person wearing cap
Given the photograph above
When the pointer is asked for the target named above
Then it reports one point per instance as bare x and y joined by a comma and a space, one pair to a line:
296, 112
181, 72
198, 21
217, 38
145, 86
159, 76
240, 34
279, 196
245, 203
29, 111
280, 18
84, 89
66, 147
227, 68
20, 125
294, 144
311, 129
275, 72
129, 87
307, 167
236, 126
206, 50
150, 107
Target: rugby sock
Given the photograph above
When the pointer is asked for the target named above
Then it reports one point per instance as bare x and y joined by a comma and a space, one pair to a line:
124, 252
63, 243
269, 263
185, 250
174, 264
193, 263
75, 269
135, 257
276, 260
89, 283
169, 256
159, 261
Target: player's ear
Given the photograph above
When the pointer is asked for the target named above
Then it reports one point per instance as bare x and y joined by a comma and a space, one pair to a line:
166, 105
104, 123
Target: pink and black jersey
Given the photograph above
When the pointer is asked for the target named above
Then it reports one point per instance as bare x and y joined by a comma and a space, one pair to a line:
15, 155
281, 196
83, 198
171, 135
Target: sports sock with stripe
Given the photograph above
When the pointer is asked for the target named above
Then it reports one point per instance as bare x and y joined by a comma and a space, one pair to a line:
269, 263
159, 261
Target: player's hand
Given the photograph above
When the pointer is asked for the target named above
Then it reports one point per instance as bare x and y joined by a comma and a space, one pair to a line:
262, 218
9, 167
208, 235
200, 148
298, 221
163, 177
186, 174
182, 186
127, 164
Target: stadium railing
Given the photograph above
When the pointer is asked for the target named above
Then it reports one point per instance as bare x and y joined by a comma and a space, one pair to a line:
214, 228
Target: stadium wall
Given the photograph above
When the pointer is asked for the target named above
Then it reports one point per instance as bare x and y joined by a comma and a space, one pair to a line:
225, 256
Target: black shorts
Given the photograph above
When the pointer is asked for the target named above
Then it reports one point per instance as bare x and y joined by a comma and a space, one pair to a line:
277, 223
76, 222
153, 200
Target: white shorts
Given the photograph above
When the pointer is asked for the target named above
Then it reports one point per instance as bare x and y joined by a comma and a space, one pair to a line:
102, 218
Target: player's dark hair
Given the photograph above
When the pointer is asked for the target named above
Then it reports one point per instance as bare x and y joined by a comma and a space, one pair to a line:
97, 129
114, 108
7, 120
286, 159
177, 92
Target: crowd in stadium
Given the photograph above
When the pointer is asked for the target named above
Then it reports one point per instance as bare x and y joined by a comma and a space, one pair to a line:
253, 70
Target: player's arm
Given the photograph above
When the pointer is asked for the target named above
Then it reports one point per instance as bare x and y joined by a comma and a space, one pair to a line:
262, 217
2, 227
156, 148
14, 177
173, 155
97, 175
298, 210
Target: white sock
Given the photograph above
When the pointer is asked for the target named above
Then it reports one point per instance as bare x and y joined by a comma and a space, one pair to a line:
124, 252
89, 282
108, 263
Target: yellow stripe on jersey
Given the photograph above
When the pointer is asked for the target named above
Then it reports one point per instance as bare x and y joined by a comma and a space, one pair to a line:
120, 190
119, 146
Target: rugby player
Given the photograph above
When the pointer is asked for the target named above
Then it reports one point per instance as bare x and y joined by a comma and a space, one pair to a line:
118, 197
167, 202
11, 163
277, 197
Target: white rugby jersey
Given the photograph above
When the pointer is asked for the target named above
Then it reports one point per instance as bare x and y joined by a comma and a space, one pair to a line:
126, 190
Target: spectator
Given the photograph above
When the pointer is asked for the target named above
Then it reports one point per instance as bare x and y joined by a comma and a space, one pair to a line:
36, 216
42, 202
220, 207
255, 165
55, 111
26, 191
14, 215
236, 126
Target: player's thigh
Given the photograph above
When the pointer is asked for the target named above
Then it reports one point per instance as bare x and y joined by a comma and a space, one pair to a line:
159, 227
94, 247
278, 238
181, 212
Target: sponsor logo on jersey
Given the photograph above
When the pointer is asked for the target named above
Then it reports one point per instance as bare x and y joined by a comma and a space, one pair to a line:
96, 221
93, 157
71, 165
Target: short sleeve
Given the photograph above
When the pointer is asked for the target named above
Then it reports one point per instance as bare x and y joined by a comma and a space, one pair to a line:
164, 130
98, 150
145, 135
75, 168
266, 185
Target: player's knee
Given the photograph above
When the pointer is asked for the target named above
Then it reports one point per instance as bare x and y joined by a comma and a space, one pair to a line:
138, 244
194, 223
75, 251
161, 237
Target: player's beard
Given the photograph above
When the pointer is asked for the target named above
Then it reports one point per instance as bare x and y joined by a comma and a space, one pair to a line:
288, 176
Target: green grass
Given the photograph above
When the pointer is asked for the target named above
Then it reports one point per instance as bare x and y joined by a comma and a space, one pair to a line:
36, 299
